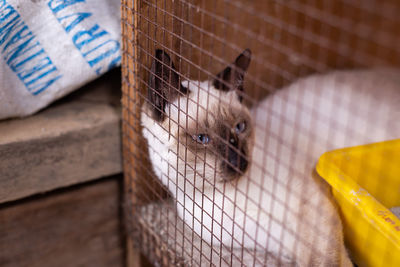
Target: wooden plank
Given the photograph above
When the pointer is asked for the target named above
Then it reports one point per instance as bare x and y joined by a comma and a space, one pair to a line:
73, 141
139, 185
133, 255
75, 227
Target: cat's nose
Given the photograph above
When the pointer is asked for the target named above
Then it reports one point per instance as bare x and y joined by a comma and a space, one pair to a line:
233, 141
237, 161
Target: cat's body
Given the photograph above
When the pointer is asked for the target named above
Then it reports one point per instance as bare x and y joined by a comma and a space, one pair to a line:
260, 193
297, 124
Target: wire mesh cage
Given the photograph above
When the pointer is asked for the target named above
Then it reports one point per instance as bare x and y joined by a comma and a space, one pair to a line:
228, 107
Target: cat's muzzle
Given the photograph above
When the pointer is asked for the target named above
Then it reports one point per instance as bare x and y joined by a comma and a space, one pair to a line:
235, 162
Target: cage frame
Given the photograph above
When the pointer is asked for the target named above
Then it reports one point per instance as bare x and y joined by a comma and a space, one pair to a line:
132, 101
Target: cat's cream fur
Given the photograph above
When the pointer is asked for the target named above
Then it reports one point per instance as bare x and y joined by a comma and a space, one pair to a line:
279, 204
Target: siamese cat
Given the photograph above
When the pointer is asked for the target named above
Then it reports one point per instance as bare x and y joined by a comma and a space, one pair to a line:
245, 178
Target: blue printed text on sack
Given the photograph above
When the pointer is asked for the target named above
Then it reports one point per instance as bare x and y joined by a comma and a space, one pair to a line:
23, 53
96, 45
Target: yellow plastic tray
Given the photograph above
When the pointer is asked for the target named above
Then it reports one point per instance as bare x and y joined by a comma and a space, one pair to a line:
366, 183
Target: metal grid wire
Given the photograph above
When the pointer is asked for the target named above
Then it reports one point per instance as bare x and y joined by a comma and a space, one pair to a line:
238, 187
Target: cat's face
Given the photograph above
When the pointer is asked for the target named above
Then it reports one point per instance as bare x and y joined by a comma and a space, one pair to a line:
209, 129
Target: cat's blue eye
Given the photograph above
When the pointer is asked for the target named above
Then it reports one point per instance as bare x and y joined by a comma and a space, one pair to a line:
202, 138
240, 127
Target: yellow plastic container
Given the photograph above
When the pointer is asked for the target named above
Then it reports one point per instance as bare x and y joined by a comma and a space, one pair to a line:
365, 182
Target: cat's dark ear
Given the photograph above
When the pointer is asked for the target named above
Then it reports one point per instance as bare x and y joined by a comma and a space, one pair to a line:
231, 78
164, 84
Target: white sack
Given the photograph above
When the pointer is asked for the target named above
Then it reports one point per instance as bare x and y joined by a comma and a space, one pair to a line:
48, 48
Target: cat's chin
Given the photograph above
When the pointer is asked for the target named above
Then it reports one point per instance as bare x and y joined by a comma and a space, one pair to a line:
231, 178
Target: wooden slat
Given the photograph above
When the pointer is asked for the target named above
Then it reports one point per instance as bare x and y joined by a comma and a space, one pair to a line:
73, 141
131, 108
74, 227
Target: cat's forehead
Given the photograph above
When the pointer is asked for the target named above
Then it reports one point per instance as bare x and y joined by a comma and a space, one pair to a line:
208, 98
207, 107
